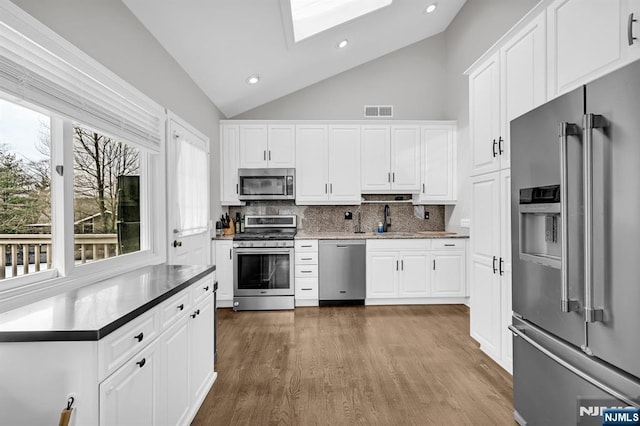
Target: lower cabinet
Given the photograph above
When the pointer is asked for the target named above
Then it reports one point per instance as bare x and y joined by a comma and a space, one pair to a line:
175, 365
224, 271
130, 395
411, 271
306, 273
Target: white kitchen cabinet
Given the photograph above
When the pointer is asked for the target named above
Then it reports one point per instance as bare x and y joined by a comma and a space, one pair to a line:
306, 272
585, 41
398, 269
229, 163
508, 83
175, 365
201, 337
224, 272
439, 165
390, 158
328, 159
130, 395
448, 276
490, 274
267, 145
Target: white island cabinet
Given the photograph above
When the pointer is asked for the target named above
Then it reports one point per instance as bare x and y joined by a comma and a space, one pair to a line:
141, 354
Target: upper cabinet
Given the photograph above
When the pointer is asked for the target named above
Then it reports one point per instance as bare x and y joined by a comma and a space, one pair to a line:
229, 163
267, 145
588, 38
505, 85
390, 159
439, 159
328, 159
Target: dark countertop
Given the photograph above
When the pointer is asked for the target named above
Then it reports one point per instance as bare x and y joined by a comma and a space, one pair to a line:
93, 311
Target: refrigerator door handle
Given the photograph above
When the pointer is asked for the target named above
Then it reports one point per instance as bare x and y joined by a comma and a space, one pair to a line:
519, 332
589, 122
566, 130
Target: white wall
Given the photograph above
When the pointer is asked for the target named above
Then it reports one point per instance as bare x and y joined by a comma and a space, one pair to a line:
422, 81
108, 32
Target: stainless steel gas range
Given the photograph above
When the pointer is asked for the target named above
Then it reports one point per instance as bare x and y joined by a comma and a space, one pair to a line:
263, 264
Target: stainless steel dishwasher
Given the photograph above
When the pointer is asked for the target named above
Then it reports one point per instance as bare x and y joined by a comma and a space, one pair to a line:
341, 272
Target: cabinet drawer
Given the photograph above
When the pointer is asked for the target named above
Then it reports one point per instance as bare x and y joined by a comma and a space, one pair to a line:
123, 343
399, 244
307, 288
306, 245
201, 289
306, 271
447, 243
306, 258
174, 308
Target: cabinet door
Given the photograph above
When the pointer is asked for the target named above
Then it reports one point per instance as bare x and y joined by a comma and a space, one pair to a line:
484, 116
382, 274
405, 158
584, 41
376, 158
344, 164
282, 147
229, 163
414, 275
253, 145
201, 350
486, 309
312, 171
130, 395
224, 270
631, 33
505, 268
448, 274
523, 78
439, 164
175, 367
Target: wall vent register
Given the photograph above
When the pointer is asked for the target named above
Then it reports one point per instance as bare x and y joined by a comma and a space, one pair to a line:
379, 111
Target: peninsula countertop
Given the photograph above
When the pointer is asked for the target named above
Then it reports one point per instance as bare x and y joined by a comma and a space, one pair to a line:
95, 310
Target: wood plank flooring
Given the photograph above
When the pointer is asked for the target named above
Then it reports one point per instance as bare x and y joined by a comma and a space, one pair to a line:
373, 365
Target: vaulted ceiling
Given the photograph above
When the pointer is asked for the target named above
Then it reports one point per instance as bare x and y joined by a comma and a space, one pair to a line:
221, 43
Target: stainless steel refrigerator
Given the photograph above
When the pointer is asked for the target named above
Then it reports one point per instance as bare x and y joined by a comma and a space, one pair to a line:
575, 217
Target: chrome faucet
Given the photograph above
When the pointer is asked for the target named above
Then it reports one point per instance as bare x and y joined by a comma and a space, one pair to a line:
386, 224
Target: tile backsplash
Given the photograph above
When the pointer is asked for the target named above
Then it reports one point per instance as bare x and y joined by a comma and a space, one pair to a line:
405, 217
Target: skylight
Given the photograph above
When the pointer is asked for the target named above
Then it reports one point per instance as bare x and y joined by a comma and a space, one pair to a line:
314, 16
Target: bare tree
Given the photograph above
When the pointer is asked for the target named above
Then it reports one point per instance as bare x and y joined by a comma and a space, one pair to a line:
98, 162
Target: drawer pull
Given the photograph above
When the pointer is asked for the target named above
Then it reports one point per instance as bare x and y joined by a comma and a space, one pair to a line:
206, 288
195, 314
180, 306
139, 337
306, 258
306, 272
449, 245
306, 289
306, 246
142, 362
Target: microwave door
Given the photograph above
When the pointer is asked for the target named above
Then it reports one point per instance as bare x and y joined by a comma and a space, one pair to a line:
262, 186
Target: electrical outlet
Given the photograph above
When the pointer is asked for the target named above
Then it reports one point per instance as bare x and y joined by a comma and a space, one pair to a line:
426, 215
348, 215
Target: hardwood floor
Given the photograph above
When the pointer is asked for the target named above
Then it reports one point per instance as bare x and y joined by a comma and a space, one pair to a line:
373, 365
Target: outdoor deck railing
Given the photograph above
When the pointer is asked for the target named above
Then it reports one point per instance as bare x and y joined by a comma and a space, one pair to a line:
15, 248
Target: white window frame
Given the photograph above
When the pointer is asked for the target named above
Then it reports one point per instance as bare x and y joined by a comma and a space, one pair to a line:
152, 117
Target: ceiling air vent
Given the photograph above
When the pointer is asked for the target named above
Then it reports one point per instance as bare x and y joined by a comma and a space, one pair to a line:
378, 111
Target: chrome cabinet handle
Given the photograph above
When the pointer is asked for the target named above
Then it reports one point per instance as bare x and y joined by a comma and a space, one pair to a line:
389, 177
325, 188
566, 303
264, 155
423, 191
393, 177
434, 264
237, 189
396, 265
590, 122
230, 254
500, 266
330, 188
402, 265
500, 150
630, 36
493, 149
494, 264
269, 155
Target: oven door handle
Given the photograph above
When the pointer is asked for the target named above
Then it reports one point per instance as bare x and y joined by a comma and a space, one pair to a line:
263, 251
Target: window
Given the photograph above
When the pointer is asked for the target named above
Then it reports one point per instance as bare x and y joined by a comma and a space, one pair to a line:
81, 164
25, 191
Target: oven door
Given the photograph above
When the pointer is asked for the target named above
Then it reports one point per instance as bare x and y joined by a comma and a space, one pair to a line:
263, 272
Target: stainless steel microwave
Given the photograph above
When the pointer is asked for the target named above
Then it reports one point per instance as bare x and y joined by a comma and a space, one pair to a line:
266, 184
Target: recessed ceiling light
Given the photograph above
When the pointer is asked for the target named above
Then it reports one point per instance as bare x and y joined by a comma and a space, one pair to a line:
342, 44
430, 8
253, 79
